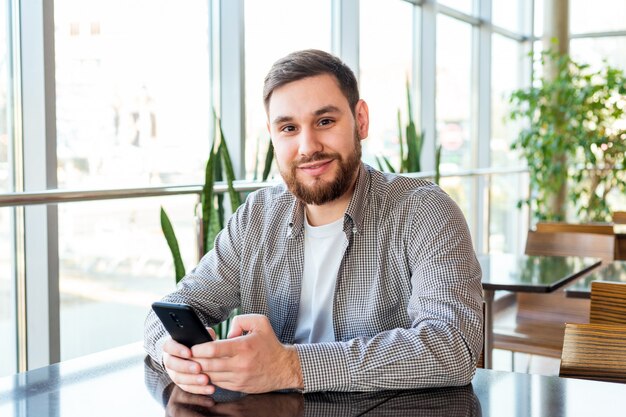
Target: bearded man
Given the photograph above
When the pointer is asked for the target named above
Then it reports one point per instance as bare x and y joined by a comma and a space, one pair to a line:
347, 279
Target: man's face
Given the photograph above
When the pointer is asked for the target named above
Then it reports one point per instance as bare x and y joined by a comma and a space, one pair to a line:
316, 138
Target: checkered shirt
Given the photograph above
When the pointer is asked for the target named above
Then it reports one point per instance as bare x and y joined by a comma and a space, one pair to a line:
407, 309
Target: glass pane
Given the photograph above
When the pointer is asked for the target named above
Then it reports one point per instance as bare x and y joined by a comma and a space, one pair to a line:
133, 93
273, 29
507, 57
538, 18
597, 16
506, 14
595, 51
8, 321
386, 66
465, 6
114, 262
454, 54
8, 341
506, 222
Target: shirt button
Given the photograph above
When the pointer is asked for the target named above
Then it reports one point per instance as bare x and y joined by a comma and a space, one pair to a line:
354, 230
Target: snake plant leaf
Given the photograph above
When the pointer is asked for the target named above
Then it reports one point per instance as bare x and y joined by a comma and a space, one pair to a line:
437, 164
206, 198
235, 198
379, 163
172, 242
388, 164
401, 142
269, 158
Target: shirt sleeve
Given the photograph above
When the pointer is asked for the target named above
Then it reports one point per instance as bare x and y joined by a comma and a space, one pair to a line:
443, 343
211, 288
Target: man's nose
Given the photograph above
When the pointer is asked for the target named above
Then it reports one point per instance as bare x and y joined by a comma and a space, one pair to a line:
309, 142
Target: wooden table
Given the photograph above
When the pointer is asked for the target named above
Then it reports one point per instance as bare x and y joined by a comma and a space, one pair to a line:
120, 382
525, 273
613, 272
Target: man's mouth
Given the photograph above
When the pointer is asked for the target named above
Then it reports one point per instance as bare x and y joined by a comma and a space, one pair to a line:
315, 168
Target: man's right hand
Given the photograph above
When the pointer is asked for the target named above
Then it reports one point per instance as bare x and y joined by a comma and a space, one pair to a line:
184, 371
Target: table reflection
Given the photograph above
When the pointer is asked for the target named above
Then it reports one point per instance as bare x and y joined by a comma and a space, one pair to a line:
448, 402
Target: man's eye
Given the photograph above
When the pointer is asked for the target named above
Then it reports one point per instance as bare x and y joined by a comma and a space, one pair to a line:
288, 128
325, 122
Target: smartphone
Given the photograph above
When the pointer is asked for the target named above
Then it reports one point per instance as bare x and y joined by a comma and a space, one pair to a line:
182, 323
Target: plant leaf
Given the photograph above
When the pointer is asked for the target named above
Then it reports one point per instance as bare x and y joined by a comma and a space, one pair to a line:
172, 242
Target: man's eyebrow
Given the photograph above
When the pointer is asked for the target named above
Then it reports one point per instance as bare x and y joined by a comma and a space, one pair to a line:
282, 119
327, 109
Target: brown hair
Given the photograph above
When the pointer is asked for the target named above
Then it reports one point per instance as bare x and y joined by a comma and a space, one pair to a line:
309, 63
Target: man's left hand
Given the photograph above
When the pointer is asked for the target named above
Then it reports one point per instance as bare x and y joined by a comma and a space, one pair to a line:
251, 360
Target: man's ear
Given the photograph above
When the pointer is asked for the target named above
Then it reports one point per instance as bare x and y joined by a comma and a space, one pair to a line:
362, 116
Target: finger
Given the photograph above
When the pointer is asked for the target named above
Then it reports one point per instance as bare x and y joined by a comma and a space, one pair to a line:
181, 378
212, 333
187, 398
247, 323
216, 349
199, 389
177, 364
219, 364
172, 347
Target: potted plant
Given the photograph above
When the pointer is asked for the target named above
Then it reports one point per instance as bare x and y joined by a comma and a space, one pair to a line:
573, 138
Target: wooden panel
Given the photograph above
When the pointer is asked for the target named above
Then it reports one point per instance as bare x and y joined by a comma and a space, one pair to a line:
594, 351
595, 228
608, 302
571, 244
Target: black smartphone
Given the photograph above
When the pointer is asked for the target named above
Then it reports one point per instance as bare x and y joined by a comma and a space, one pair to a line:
182, 323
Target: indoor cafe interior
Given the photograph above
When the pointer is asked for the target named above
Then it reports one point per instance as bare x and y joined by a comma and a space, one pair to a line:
131, 131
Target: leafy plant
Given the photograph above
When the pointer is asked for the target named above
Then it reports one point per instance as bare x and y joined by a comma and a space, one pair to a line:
211, 210
572, 142
409, 139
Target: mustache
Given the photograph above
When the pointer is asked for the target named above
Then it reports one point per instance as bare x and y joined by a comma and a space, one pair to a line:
317, 156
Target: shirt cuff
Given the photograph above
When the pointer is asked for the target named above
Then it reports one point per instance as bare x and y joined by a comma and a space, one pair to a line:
324, 367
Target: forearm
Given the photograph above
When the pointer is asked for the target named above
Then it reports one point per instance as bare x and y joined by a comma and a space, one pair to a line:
429, 356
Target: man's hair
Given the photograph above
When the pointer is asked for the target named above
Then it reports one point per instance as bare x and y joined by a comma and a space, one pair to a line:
310, 63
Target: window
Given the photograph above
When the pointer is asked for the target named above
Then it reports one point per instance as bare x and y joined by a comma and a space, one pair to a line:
133, 94
133, 109
506, 14
274, 28
114, 262
386, 66
597, 16
454, 57
8, 342
465, 6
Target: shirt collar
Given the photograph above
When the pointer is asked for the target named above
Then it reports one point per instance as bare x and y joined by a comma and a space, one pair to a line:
354, 212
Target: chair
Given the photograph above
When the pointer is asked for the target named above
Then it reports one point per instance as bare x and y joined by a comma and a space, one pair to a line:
608, 303
536, 325
572, 244
594, 351
619, 217
558, 227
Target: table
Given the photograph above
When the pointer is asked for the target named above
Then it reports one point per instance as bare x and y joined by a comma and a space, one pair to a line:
121, 382
525, 273
613, 272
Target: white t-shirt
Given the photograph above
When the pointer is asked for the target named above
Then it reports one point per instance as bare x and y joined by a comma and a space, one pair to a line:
324, 247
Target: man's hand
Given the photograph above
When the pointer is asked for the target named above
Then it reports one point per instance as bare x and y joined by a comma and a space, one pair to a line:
184, 370
251, 360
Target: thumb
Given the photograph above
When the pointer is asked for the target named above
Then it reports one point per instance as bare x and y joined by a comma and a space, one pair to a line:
247, 323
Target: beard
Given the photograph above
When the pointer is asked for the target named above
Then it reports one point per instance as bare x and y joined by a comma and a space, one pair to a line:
322, 191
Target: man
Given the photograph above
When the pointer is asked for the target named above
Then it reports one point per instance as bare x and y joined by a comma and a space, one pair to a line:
347, 279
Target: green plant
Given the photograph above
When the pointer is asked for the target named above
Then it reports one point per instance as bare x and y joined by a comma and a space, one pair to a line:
571, 141
212, 213
409, 139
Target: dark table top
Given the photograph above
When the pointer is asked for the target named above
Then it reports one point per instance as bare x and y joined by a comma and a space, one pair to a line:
121, 382
527, 273
612, 272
